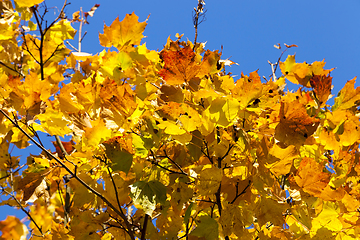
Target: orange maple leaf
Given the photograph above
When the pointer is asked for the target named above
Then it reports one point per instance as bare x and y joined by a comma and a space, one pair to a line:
69, 147
295, 124
322, 87
311, 178
180, 65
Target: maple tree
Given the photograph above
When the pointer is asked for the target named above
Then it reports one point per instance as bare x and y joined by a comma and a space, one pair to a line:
166, 144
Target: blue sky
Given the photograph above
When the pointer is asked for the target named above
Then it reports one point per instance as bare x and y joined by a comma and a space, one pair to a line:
247, 30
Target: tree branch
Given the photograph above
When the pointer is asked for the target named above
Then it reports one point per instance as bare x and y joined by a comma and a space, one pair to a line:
12, 69
167, 169
242, 192
143, 230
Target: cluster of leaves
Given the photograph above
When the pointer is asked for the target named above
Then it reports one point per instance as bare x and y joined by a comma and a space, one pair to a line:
166, 145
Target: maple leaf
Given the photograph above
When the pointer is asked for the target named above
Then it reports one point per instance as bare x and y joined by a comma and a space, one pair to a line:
348, 96
119, 151
328, 217
298, 73
96, 134
280, 160
223, 110
179, 65
209, 181
295, 124
42, 217
27, 3
122, 34
53, 123
33, 183
248, 89
147, 194
322, 87
311, 178
207, 227
267, 211
60, 31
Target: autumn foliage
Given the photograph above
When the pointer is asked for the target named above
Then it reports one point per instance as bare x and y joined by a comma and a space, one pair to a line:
167, 145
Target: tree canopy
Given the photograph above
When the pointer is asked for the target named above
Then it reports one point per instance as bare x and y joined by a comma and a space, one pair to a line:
167, 144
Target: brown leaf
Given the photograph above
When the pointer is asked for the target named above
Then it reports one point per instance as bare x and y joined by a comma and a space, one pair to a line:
30, 183
322, 87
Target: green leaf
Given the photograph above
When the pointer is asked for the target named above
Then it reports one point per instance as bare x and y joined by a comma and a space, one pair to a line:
207, 227
121, 160
147, 194
188, 213
124, 60
139, 143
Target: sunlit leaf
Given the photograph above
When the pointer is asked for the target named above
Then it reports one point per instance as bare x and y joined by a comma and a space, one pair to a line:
125, 33
147, 194
348, 97
295, 124
180, 65
311, 178
26, 3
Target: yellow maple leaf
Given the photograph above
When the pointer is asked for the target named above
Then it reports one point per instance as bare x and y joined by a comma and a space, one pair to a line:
125, 33
209, 180
298, 73
54, 122
328, 218
96, 134
280, 159
60, 31
43, 218
247, 89
348, 97
27, 3
6, 31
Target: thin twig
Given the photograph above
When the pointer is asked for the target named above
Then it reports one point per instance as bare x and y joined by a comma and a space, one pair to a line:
199, 14
115, 188
72, 46
12, 69
24, 210
242, 192
175, 163
165, 168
